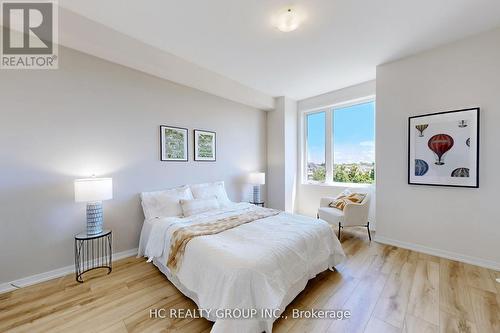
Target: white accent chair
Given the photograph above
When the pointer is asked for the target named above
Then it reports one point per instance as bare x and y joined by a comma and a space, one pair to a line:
354, 214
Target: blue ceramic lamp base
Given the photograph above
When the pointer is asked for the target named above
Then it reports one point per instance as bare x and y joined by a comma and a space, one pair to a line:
256, 194
94, 218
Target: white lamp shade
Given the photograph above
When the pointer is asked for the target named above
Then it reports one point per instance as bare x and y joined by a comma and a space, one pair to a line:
93, 189
257, 178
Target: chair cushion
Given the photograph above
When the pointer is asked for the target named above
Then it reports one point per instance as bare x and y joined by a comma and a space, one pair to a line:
342, 200
331, 215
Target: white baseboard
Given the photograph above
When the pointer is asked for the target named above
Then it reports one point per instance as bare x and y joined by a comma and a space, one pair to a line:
440, 253
37, 278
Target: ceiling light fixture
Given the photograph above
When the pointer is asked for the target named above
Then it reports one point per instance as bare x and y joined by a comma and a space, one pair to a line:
287, 20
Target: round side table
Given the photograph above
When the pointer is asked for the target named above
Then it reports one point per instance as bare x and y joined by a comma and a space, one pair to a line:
92, 252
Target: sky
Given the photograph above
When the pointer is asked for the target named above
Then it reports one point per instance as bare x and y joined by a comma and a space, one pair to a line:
353, 135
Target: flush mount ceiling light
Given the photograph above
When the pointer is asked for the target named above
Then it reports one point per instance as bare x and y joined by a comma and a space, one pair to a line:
287, 20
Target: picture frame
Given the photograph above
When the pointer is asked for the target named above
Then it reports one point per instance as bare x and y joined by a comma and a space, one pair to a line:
173, 144
443, 148
205, 146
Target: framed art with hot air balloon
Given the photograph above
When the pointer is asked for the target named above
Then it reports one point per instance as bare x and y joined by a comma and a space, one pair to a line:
443, 149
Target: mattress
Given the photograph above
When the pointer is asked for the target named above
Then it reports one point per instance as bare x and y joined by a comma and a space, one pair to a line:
262, 265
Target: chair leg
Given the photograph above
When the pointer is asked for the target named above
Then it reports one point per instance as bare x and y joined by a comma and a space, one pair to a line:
340, 227
368, 228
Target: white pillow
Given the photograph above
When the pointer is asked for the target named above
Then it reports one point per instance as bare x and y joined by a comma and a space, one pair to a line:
345, 193
164, 203
196, 206
209, 190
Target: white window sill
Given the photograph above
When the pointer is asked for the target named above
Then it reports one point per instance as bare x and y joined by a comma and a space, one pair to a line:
332, 184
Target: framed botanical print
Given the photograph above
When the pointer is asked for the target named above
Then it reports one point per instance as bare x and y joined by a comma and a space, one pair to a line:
205, 145
443, 149
173, 143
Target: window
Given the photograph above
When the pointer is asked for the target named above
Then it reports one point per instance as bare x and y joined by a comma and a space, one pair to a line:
316, 159
354, 144
340, 144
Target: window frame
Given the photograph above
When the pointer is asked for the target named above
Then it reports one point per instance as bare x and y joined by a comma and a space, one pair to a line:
329, 141
306, 153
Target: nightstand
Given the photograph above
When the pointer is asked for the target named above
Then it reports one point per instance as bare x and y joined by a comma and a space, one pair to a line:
92, 252
258, 203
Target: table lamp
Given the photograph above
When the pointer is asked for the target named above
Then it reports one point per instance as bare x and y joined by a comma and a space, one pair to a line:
257, 179
93, 191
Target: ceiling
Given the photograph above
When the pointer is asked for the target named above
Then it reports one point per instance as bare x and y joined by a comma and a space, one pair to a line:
340, 43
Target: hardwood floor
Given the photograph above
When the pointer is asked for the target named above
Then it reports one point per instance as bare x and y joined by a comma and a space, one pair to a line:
387, 289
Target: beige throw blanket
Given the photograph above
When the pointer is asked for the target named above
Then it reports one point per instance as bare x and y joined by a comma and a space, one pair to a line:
183, 235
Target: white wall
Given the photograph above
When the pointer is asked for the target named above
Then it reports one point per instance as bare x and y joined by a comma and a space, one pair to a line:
92, 116
309, 195
282, 154
275, 179
290, 107
459, 223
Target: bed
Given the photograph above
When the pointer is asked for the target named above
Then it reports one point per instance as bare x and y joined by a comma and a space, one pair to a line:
262, 264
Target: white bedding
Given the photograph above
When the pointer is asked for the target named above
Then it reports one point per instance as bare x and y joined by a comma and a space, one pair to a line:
259, 265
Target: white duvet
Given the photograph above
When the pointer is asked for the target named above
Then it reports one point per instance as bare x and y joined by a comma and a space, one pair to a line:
259, 265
